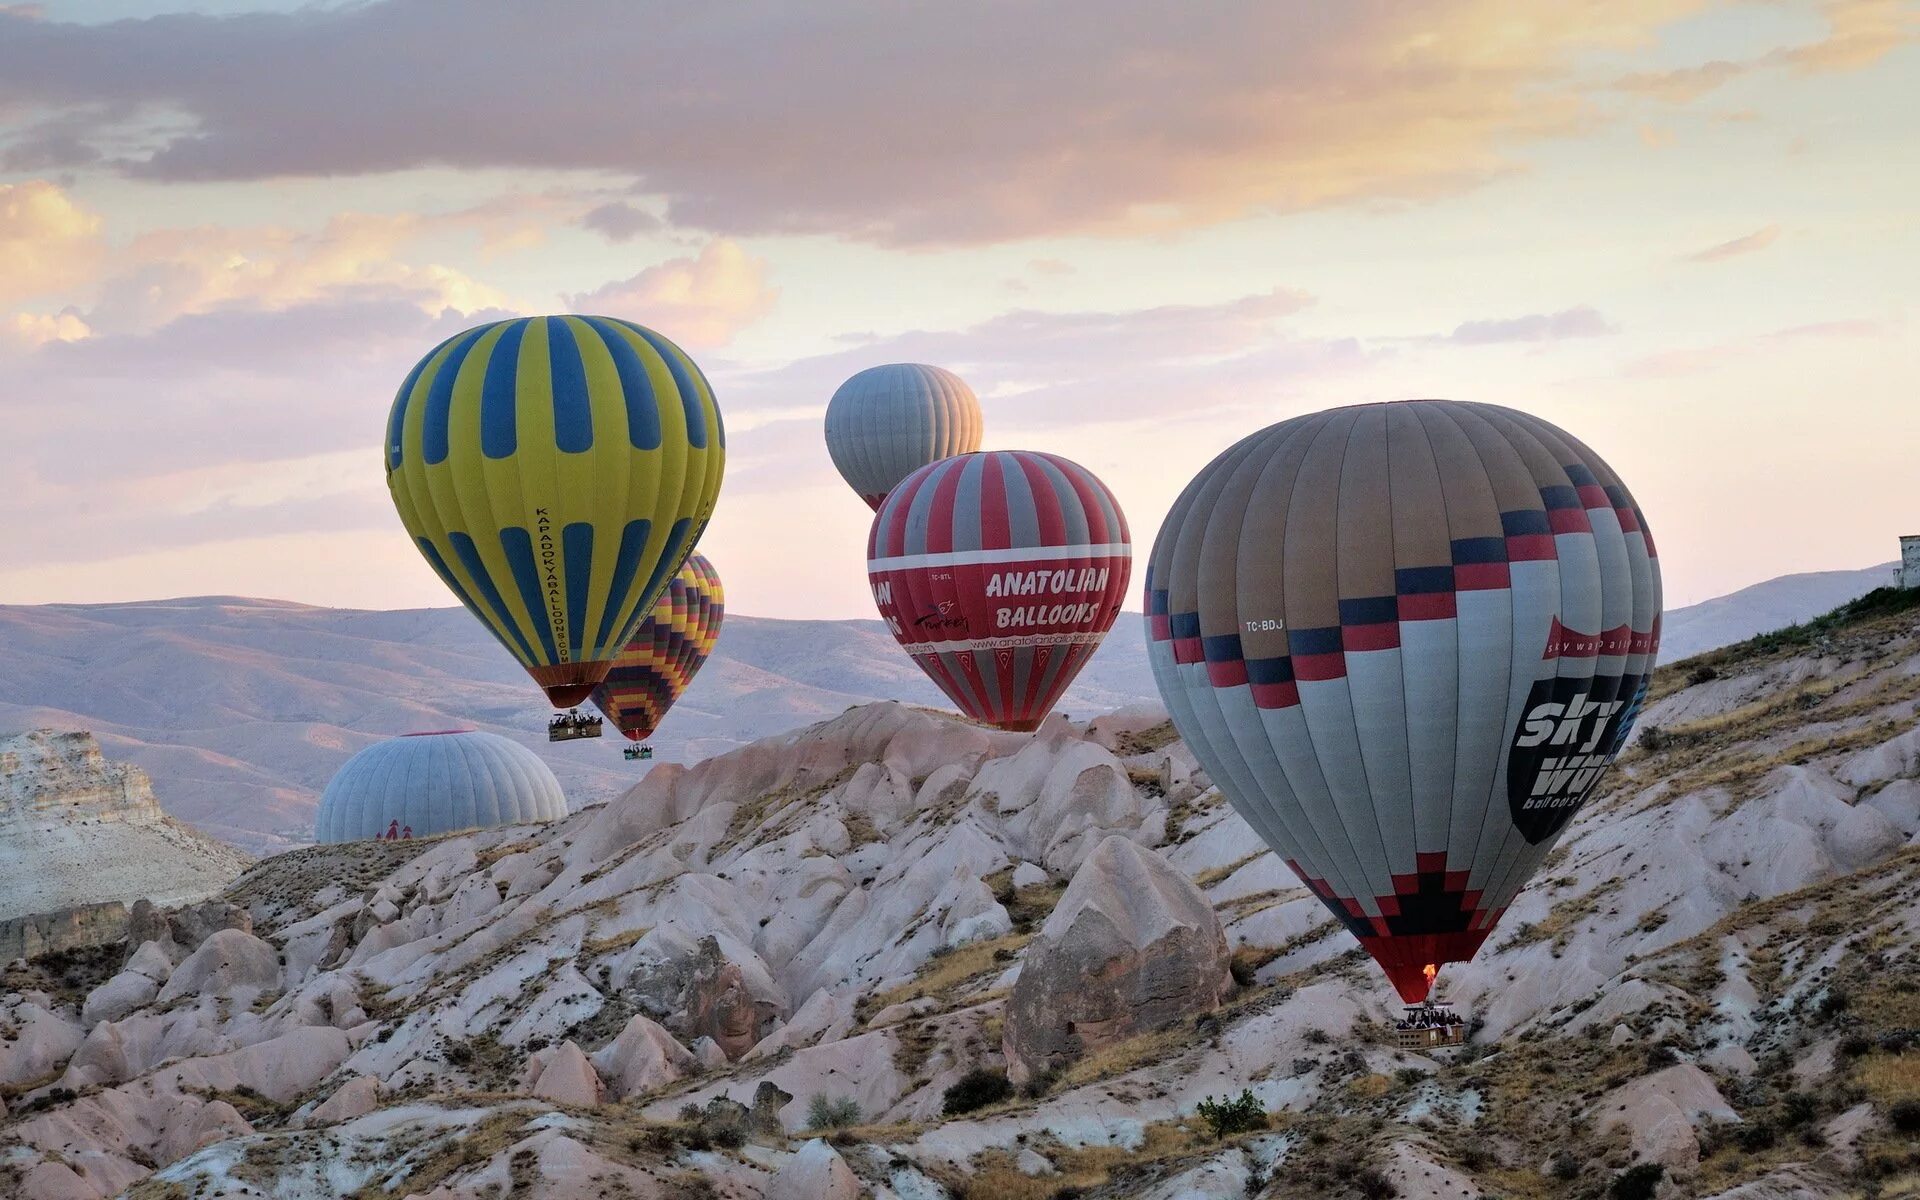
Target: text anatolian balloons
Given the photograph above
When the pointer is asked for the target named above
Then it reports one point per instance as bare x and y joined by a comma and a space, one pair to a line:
555, 472
887, 422
1000, 573
666, 652
1406, 641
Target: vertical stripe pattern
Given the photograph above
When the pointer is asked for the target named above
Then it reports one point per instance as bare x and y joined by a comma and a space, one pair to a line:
1000, 573
433, 783
887, 422
1406, 640
556, 471
666, 651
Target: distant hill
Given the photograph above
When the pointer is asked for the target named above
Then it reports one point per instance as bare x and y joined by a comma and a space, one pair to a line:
242, 709
1788, 600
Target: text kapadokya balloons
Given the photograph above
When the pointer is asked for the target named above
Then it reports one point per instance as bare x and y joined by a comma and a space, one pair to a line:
1000, 573
887, 422
1406, 640
555, 472
666, 652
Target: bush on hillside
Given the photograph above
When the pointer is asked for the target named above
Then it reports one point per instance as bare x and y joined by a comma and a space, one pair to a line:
1638, 1182
1243, 1114
976, 1089
832, 1112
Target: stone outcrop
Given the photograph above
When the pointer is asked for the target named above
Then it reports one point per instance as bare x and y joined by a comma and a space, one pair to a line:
78, 832
563, 1075
1662, 1113
815, 1172
187, 926
643, 1058
69, 929
1132, 946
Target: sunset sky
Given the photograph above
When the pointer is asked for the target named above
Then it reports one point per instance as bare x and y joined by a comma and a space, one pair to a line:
1685, 231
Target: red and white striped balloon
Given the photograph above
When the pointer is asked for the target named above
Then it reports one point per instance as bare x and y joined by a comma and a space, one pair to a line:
1000, 572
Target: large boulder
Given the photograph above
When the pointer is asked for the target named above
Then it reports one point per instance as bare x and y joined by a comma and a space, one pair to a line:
228, 962
563, 1075
1662, 1113
642, 1058
815, 1172
186, 926
1132, 946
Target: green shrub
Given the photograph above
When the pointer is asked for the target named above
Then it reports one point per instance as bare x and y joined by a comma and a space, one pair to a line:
1638, 1182
1905, 1116
1564, 1166
976, 1089
1242, 1114
832, 1112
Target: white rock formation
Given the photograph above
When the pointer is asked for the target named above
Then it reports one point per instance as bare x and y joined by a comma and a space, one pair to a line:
77, 830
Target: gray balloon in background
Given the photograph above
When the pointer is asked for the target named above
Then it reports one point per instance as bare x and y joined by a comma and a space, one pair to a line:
887, 422
437, 783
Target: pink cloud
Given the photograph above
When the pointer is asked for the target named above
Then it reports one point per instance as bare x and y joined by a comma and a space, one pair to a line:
1750, 243
1583, 321
699, 302
922, 124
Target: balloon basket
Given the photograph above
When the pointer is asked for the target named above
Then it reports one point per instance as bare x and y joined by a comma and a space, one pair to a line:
638, 753
572, 726
1429, 1025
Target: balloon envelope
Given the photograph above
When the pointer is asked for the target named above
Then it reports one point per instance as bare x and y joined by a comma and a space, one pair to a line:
555, 472
665, 652
887, 422
1000, 573
1406, 640
437, 783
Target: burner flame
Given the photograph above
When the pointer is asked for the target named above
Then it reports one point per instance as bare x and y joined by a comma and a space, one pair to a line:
1430, 971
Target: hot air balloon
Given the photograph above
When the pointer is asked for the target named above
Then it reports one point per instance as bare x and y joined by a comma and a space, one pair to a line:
555, 472
1000, 573
665, 652
887, 422
433, 783
1406, 641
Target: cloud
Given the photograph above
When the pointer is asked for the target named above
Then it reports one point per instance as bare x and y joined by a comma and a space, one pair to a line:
1039, 370
1859, 34
922, 124
37, 329
1693, 360
619, 221
1583, 321
47, 242
699, 302
1750, 243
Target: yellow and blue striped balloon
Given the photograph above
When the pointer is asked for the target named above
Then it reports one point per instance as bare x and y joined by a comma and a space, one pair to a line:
556, 472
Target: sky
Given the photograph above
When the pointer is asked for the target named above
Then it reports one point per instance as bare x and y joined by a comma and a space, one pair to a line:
1683, 230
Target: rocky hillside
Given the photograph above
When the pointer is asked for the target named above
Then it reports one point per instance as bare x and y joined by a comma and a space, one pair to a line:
242, 709
895, 955
77, 830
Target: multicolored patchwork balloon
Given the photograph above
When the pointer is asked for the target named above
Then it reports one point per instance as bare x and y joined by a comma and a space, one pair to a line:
1406, 640
887, 422
1000, 573
666, 651
555, 472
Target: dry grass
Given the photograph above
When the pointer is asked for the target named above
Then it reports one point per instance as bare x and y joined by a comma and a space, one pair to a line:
1889, 1078
595, 947
1208, 878
994, 1177
946, 972
1146, 741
